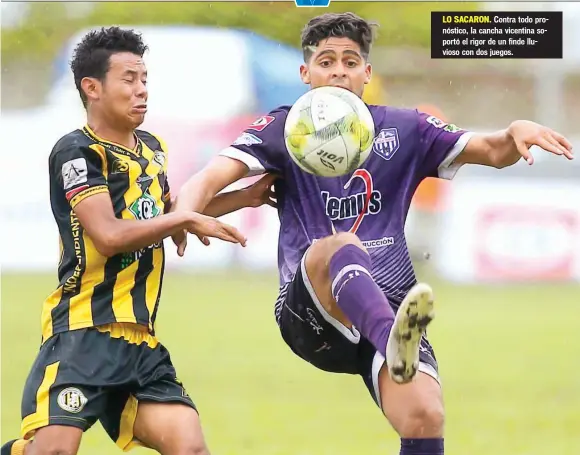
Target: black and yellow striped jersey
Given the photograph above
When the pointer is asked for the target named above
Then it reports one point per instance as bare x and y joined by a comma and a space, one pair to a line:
93, 289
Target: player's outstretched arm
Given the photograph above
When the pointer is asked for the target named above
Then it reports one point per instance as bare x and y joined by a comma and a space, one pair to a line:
254, 195
78, 172
112, 236
196, 194
506, 147
260, 149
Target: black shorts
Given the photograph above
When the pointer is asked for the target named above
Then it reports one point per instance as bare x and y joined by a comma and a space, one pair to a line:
315, 336
101, 373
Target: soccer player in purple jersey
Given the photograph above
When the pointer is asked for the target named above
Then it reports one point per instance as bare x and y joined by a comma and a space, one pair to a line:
349, 301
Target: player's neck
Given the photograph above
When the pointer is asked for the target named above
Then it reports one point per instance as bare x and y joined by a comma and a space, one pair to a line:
126, 138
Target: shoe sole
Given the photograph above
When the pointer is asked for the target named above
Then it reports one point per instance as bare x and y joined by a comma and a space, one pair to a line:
413, 317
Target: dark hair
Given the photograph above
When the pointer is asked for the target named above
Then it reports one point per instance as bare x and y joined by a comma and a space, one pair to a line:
91, 55
338, 25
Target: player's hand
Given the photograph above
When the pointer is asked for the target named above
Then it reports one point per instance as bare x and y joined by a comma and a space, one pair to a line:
261, 192
526, 134
180, 241
180, 238
205, 227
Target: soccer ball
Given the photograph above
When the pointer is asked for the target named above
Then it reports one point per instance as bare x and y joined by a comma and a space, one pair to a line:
329, 132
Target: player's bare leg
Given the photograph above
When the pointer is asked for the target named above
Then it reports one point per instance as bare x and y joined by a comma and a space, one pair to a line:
338, 268
411, 402
415, 410
170, 428
50, 440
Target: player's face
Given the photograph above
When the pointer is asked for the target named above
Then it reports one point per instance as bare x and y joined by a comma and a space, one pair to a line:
122, 95
337, 62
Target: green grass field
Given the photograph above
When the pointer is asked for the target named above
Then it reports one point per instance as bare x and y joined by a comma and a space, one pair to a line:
508, 359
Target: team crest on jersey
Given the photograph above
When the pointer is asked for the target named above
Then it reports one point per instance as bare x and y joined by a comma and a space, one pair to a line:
261, 123
145, 207
71, 400
358, 205
386, 143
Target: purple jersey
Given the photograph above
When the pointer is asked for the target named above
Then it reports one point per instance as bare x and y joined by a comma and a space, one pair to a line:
372, 202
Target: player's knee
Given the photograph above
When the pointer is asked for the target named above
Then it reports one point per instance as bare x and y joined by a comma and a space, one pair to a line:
317, 263
187, 445
346, 238
322, 251
425, 421
55, 440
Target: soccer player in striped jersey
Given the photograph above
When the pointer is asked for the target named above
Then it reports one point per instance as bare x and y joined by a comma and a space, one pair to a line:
349, 301
100, 358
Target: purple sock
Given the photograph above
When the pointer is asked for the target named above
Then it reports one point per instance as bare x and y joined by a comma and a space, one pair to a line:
359, 297
422, 446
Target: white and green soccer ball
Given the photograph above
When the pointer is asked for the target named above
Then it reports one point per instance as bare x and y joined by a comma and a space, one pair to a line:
329, 132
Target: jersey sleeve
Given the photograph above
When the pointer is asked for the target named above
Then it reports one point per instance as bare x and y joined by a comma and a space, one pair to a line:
261, 145
79, 172
440, 144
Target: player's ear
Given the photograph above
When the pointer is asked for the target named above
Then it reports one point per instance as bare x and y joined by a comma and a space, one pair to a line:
368, 73
89, 85
304, 74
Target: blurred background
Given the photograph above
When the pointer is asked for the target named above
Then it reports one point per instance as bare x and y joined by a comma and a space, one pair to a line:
501, 248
